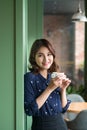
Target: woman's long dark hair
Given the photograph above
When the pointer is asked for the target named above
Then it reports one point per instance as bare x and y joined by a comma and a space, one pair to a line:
34, 49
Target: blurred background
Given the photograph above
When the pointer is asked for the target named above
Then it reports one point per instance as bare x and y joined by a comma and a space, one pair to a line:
67, 38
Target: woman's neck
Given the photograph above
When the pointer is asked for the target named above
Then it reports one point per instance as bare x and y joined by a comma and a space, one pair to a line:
43, 73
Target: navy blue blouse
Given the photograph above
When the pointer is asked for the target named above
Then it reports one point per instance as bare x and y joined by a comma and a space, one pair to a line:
34, 85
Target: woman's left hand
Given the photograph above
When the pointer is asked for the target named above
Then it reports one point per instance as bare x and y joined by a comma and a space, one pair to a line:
65, 83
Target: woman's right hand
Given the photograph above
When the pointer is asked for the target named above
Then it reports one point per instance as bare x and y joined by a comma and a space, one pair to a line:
55, 83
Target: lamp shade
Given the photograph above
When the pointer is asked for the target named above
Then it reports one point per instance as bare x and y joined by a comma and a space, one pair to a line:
79, 16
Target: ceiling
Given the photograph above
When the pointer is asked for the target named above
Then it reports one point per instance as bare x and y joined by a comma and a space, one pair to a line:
62, 6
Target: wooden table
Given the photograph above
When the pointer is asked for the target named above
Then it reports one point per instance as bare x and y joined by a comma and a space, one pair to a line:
77, 107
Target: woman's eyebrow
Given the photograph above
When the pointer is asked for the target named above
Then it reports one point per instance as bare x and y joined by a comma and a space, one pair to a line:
43, 53
39, 53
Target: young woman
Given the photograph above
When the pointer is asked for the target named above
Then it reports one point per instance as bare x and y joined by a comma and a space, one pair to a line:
45, 97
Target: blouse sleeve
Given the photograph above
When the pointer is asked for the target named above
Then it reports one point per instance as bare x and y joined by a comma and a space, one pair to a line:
66, 107
30, 105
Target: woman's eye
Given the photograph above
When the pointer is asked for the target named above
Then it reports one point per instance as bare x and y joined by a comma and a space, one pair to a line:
49, 54
39, 55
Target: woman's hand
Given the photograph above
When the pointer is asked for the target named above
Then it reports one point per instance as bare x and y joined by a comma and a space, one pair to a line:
65, 83
55, 83
61, 80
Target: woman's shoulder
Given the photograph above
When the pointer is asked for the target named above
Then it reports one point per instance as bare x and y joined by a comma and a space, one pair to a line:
29, 75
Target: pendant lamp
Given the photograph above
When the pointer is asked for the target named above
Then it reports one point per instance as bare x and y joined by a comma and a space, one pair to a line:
79, 16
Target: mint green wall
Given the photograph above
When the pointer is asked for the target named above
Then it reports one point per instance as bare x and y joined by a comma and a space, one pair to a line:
35, 25
21, 40
35, 16
7, 86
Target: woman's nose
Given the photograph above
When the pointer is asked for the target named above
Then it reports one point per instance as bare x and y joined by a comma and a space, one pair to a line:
45, 58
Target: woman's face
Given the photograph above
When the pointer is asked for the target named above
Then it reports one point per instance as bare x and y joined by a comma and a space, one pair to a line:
44, 58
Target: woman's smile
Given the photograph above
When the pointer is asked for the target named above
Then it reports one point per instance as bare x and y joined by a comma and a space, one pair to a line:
45, 64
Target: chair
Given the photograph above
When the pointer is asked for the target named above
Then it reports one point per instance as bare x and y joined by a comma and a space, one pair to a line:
73, 98
79, 123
